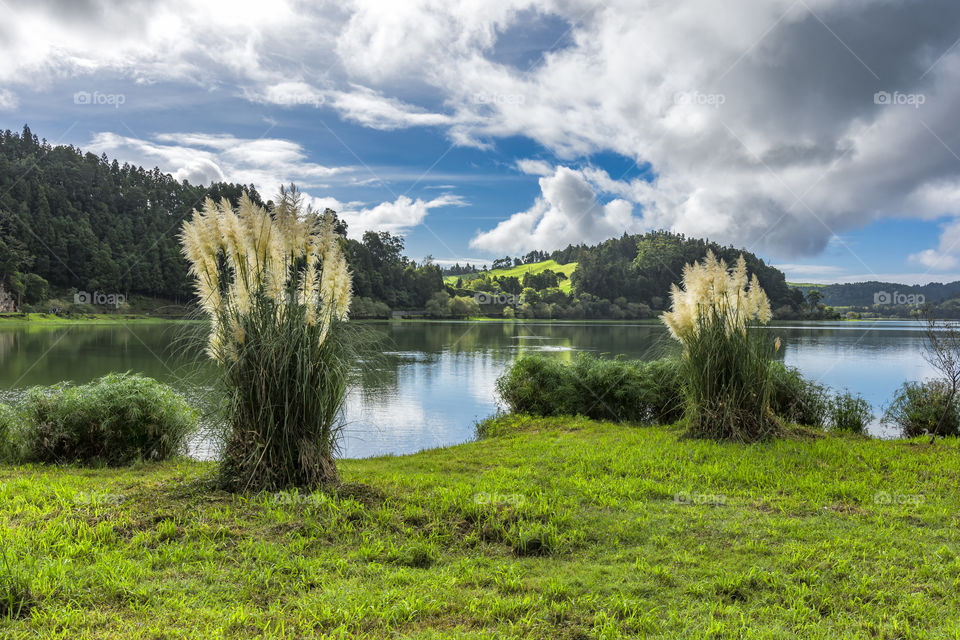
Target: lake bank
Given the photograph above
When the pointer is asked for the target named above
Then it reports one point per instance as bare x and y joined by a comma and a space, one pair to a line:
429, 382
559, 528
35, 319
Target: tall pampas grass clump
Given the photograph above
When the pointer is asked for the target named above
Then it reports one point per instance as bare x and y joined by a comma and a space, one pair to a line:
277, 290
726, 360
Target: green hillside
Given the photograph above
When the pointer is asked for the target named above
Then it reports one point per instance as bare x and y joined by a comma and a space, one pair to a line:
534, 267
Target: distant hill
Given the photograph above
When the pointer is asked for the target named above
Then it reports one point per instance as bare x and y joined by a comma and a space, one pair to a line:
519, 271
861, 294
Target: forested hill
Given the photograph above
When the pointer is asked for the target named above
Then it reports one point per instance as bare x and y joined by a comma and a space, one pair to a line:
74, 220
82, 221
641, 268
866, 294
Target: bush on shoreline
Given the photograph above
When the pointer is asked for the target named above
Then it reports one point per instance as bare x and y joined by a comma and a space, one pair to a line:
8, 432
850, 413
921, 408
796, 399
277, 290
642, 392
617, 390
115, 420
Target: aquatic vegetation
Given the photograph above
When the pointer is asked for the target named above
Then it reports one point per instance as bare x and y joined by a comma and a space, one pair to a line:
277, 290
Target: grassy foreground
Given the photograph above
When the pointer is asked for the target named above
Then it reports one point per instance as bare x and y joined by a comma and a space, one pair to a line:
551, 528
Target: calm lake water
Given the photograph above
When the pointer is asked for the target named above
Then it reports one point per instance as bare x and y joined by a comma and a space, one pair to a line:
436, 379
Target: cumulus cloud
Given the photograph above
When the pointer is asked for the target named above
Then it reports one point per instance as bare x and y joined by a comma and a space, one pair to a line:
947, 253
567, 212
771, 124
203, 158
534, 167
267, 163
8, 100
396, 217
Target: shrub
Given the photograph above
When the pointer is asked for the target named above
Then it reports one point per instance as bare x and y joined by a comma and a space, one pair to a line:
850, 413
114, 420
662, 385
920, 408
9, 432
538, 386
81, 308
616, 390
796, 399
276, 287
725, 361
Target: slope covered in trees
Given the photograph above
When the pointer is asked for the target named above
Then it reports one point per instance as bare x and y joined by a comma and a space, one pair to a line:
73, 220
640, 268
81, 221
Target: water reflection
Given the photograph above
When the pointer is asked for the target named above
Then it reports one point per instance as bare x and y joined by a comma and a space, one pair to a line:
426, 383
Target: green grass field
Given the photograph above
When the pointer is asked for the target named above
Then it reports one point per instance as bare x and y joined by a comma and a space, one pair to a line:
538, 267
551, 528
94, 318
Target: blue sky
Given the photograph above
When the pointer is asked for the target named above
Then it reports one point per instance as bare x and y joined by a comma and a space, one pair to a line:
818, 134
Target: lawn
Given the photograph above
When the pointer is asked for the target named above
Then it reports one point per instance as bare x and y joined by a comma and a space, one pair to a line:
537, 267
547, 528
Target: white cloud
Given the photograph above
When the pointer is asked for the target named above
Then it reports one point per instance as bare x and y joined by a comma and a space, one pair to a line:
267, 163
568, 212
759, 121
946, 255
534, 167
289, 94
201, 158
396, 217
8, 100
373, 110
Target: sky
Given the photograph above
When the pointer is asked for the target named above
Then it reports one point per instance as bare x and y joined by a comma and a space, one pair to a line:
819, 134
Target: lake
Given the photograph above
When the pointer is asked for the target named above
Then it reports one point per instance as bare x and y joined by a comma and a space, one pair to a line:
436, 379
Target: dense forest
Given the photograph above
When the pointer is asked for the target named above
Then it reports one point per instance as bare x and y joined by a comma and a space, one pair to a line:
641, 268
74, 221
